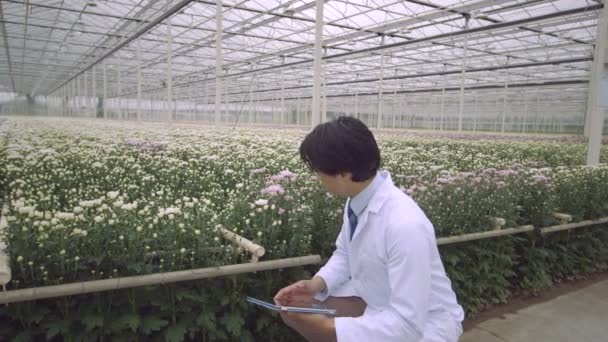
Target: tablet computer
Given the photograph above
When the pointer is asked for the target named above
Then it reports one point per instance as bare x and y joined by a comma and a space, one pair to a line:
312, 310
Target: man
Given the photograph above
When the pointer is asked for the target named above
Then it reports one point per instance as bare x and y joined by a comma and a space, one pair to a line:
385, 278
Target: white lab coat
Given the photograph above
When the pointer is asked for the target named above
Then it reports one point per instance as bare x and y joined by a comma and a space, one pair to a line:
393, 264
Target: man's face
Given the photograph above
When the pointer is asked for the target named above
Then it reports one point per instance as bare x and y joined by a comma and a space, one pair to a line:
335, 185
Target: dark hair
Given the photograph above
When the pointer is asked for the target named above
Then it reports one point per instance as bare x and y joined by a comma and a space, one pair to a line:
342, 145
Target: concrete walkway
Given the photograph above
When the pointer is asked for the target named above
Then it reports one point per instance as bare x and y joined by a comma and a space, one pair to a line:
580, 316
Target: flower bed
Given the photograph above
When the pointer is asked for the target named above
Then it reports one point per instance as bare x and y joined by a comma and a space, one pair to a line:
92, 203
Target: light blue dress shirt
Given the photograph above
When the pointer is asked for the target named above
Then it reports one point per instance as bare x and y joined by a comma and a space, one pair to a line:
360, 201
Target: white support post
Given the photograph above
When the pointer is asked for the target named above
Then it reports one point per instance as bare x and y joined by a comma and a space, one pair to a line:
79, 97
504, 107
394, 110
357, 105
600, 69
250, 121
139, 104
283, 111
476, 112
169, 72
379, 124
442, 109
462, 76
219, 60
119, 94
95, 98
105, 90
316, 86
85, 94
298, 119
523, 124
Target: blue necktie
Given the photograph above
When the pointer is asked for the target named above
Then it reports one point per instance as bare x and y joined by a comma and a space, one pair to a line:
352, 219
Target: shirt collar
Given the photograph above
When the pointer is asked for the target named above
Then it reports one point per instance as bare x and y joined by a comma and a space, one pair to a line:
361, 200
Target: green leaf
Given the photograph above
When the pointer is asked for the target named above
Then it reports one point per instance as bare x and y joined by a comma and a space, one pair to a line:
130, 321
207, 320
233, 323
57, 328
25, 336
150, 324
92, 321
38, 314
175, 333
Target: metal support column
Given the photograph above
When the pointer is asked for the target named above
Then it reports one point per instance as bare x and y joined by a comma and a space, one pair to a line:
85, 94
600, 69
169, 72
523, 123
105, 90
219, 59
316, 86
442, 109
379, 124
139, 104
95, 97
462, 75
119, 93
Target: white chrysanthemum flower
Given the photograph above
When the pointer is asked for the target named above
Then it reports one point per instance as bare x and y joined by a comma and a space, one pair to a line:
239, 185
129, 206
86, 204
261, 202
96, 165
189, 205
26, 210
139, 228
65, 216
197, 232
76, 258
84, 233
183, 250
113, 194
181, 225
171, 210
97, 219
78, 210
62, 252
111, 222
155, 235
19, 258
118, 204
216, 239
259, 234
121, 238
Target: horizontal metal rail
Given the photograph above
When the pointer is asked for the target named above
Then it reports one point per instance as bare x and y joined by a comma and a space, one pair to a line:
72, 289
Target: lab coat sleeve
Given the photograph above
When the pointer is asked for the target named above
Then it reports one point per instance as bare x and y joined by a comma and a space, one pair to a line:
408, 248
337, 270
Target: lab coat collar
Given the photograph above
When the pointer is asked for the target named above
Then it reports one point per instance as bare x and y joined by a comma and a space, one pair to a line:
376, 202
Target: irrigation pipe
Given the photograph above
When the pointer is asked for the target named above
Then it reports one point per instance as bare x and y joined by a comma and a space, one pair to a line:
483, 235
256, 250
150, 279
568, 226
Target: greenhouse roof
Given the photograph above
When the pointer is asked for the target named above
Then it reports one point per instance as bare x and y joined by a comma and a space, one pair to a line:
268, 45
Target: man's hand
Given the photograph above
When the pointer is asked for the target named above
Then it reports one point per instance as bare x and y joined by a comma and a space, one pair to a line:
301, 293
